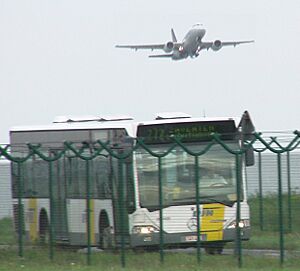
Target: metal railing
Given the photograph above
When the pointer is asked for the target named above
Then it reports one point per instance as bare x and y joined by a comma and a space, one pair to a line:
97, 149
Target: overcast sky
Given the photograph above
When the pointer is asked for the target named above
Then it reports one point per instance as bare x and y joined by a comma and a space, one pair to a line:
58, 58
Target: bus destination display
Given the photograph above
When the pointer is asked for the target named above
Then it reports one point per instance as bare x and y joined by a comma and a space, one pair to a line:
186, 132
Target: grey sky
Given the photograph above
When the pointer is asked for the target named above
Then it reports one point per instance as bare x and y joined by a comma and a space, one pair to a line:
58, 58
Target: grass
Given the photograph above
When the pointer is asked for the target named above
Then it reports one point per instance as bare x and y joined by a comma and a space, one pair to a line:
271, 212
37, 258
7, 236
268, 238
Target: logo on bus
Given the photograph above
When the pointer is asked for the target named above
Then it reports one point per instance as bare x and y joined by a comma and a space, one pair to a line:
192, 222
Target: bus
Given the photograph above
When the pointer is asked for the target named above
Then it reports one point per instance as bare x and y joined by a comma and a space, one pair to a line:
151, 187
5, 189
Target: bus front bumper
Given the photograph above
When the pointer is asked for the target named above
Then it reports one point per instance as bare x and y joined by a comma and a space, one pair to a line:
188, 239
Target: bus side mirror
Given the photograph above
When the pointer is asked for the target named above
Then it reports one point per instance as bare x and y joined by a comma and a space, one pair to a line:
247, 129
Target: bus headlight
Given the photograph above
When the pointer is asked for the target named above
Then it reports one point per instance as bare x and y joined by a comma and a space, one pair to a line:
242, 224
147, 229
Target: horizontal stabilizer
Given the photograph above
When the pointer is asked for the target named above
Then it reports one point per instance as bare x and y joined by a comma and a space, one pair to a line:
145, 46
165, 55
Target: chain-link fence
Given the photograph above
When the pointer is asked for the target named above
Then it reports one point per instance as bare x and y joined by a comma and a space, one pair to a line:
132, 196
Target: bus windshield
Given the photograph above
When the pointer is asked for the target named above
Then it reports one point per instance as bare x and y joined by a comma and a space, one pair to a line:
216, 171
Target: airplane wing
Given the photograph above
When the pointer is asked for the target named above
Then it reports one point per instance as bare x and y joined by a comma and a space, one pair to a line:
235, 43
137, 47
209, 45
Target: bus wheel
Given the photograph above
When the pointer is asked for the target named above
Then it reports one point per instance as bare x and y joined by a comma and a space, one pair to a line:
105, 235
44, 229
212, 250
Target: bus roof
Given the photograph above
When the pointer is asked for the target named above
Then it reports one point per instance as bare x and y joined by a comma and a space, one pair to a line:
129, 125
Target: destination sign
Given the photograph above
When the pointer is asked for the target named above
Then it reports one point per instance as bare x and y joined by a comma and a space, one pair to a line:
186, 131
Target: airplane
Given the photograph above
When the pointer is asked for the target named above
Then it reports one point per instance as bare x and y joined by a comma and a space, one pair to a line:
190, 46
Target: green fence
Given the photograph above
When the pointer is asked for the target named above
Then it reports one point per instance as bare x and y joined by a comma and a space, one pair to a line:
74, 163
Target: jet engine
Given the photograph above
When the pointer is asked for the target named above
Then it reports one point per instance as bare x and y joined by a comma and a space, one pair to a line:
217, 45
169, 46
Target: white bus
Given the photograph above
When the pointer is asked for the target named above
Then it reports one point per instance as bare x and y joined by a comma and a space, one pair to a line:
5, 189
139, 179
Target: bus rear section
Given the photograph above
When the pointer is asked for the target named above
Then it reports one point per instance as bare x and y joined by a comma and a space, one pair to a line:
70, 195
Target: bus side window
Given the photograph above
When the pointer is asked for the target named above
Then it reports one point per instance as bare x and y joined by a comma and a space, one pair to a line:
74, 169
102, 187
41, 178
35, 178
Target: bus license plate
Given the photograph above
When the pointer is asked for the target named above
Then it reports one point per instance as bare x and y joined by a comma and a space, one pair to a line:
193, 238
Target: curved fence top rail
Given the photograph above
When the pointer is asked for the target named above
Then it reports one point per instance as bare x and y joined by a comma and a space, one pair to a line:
90, 150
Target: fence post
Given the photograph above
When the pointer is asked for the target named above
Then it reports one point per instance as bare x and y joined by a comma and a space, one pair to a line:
121, 209
198, 208
289, 191
261, 211
161, 231
88, 211
20, 210
238, 210
51, 235
280, 216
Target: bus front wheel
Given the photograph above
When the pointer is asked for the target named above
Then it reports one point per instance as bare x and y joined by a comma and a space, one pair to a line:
212, 250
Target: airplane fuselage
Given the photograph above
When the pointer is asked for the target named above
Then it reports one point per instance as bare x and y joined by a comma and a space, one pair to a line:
191, 43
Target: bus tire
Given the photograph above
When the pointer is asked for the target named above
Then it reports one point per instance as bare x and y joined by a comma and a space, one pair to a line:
105, 236
44, 235
213, 250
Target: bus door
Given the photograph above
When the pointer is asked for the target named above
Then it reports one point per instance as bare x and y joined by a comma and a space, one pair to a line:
123, 198
59, 206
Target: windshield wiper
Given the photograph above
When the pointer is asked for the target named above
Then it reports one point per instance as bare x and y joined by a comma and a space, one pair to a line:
205, 199
214, 200
191, 200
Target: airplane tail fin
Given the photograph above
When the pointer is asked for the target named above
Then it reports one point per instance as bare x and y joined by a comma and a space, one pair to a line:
174, 39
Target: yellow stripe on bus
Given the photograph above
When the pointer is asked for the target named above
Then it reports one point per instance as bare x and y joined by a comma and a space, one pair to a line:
212, 219
32, 218
92, 220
